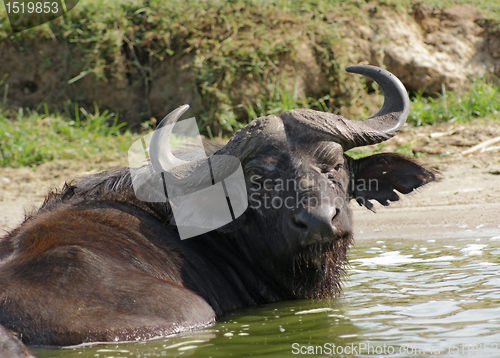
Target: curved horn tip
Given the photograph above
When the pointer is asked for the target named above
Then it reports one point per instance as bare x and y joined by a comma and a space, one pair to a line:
377, 74
160, 154
366, 70
380, 76
395, 95
363, 68
173, 116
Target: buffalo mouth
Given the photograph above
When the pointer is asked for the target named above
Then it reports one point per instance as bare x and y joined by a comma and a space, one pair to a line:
320, 268
325, 242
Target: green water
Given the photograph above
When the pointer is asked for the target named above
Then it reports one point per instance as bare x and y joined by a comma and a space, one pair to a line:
402, 299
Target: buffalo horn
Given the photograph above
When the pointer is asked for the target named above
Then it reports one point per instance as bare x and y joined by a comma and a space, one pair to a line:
392, 116
351, 133
160, 153
191, 175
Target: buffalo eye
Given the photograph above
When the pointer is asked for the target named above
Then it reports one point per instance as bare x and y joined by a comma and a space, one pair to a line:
256, 181
328, 171
330, 174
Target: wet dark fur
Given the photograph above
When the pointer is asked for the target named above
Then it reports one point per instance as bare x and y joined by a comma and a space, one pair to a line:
94, 263
220, 267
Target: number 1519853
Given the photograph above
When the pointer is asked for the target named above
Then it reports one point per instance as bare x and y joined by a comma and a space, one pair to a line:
32, 7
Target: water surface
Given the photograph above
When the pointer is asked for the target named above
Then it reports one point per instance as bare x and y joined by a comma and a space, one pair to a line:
402, 297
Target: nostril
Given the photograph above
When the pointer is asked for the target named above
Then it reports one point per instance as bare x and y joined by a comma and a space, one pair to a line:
317, 225
337, 212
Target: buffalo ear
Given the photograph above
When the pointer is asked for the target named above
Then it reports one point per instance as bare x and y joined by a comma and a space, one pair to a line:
376, 177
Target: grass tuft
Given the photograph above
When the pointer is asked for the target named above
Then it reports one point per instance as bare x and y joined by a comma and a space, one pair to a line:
32, 137
29, 138
480, 100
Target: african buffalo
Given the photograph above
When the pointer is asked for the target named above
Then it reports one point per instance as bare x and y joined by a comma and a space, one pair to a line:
95, 263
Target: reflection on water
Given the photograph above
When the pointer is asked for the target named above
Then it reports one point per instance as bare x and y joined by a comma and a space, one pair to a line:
433, 297
403, 298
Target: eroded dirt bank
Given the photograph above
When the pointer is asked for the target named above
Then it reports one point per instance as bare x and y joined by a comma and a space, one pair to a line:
149, 71
464, 202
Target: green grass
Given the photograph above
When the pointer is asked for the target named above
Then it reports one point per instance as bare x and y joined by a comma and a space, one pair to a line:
229, 43
277, 98
480, 100
487, 8
29, 138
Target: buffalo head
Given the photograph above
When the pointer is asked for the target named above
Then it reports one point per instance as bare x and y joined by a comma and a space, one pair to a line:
299, 184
